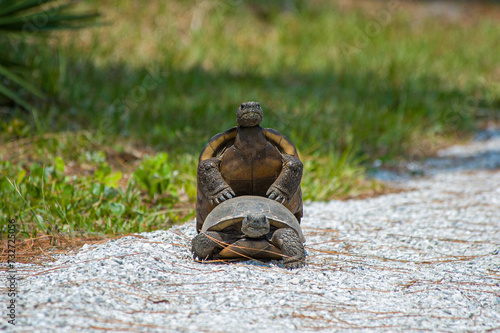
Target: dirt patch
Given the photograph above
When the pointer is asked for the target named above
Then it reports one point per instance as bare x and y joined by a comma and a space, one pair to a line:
44, 248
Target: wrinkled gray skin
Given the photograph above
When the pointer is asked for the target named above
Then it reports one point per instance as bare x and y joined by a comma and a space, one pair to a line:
253, 226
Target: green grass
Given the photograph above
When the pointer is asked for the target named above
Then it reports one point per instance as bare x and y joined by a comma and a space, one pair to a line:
86, 196
166, 76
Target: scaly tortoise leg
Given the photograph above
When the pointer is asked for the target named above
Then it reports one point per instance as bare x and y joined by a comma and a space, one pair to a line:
211, 183
287, 240
288, 181
204, 244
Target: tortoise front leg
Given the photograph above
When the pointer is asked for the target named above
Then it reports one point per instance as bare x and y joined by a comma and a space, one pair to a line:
204, 244
288, 181
287, 240
211, 183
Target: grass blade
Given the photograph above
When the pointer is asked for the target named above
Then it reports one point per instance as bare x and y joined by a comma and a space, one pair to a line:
24, 84
13, 96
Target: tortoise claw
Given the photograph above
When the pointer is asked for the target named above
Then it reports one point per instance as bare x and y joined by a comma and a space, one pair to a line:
294, 264
275, 195
223, 196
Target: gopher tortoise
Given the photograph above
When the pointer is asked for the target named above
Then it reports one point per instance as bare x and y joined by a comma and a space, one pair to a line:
251, 227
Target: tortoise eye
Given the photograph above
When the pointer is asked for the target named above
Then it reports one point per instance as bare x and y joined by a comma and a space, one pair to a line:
243, 106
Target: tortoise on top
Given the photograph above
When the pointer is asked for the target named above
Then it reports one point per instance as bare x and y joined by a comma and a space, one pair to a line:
248, 160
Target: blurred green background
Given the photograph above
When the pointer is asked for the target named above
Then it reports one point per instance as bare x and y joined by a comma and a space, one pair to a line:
111, 144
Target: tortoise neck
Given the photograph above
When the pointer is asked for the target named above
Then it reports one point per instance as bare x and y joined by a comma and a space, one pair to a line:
250, 140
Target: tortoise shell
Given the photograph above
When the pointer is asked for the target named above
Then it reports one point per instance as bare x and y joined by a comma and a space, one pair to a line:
248, 175
233, 211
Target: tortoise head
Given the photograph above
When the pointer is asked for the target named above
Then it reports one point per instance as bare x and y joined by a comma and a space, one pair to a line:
249, 114
255, 225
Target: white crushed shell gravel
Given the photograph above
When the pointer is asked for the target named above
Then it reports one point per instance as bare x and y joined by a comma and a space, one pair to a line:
425, 259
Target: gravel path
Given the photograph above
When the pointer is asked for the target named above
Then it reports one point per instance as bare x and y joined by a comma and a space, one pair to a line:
426, 259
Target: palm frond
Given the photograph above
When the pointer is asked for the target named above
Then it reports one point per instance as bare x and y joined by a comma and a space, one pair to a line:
21, 82
8, 7
14, 97
52, 18
34, 17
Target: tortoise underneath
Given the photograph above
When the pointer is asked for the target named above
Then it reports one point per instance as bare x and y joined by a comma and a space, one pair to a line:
251, 227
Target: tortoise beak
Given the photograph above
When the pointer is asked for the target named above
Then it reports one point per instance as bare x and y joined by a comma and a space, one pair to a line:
250, 118
251, 115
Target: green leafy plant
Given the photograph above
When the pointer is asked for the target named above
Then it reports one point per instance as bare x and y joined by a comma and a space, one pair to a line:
19, 18
42, 198
155, 175
106, 177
